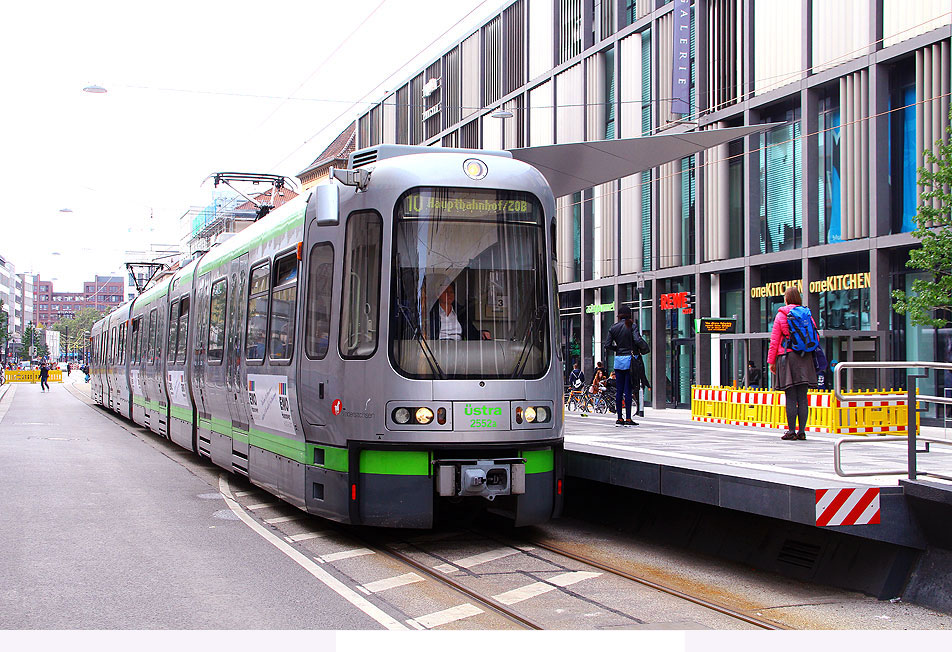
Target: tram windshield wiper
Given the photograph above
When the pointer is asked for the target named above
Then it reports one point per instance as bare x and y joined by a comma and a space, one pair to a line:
534, 326
418, 337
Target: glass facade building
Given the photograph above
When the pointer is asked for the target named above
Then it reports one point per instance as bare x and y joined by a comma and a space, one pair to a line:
854, 91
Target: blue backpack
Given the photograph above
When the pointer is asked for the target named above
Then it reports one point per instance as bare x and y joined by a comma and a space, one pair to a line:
803, 336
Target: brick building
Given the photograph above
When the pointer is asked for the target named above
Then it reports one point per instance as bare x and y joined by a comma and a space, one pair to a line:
103, 294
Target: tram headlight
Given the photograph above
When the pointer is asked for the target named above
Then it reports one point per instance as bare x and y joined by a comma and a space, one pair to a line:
530, 414
542, 414
424, 415
475, 169
401, 415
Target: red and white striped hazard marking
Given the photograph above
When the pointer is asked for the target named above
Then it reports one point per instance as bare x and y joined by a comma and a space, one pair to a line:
851, 506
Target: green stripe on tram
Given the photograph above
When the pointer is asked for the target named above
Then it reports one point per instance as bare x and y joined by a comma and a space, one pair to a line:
539, 461
395, 462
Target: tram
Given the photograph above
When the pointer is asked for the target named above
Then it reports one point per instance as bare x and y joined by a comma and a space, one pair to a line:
376, 353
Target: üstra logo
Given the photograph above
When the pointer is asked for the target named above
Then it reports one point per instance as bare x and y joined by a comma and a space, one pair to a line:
481, 410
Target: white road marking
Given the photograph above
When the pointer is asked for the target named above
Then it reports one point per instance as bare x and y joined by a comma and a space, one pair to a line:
538, 588
284, 519
390, 583
304, 536
262, 506
309, 565
346, 554
239, 494
446, 616
475, 560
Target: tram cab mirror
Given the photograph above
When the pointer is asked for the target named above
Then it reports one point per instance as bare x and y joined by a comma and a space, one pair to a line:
323, 205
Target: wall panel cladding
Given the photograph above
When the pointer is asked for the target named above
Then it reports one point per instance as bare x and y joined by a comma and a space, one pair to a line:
470, 76
390, 119
840, 32
664, 69
416, 110
403, 115
432, 125
904, 19
492, 61
629, 76
376, 124
565, 240
541, 42
716, 218
595, 108
570, 29
631, 227
570, 114
932, 101
669, 214
450, 90
605, 222
514, 47
514, 132
541, 115
778, 55
724, 58
363, 131
854, 155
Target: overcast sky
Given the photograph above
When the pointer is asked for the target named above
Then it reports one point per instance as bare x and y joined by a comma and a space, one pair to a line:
193, 88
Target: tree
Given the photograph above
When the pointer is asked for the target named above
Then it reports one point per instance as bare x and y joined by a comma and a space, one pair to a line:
4, 332
76, 328
932, 298
36, 337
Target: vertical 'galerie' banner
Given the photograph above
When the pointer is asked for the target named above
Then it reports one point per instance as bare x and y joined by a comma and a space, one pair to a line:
681, 66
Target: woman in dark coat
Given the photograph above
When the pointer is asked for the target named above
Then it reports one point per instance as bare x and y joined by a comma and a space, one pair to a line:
621, 340
795, 373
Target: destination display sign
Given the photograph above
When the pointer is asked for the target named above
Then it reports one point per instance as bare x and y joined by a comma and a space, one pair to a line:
469, 204
716, 326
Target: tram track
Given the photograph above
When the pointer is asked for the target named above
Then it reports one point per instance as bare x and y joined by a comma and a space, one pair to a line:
703, 602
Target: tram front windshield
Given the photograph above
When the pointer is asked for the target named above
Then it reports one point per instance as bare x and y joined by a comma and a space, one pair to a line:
470, 296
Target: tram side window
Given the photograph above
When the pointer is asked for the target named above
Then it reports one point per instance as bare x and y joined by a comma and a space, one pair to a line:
180, 350
360, 301
151, 351
320, 283
121, 357
257, 333
173, 332
283, 306
216, 321
135, 340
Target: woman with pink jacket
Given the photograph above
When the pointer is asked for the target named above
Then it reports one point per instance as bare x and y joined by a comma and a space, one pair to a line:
795, 373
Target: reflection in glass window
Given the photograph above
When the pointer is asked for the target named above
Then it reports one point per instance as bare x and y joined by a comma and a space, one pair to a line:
320, 283
173, 331
180, 349
360, 304
216, 321
257, 335
152, 318
470, 296
283, 304
781, 215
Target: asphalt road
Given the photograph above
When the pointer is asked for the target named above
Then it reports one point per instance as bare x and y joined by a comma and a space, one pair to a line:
87, 542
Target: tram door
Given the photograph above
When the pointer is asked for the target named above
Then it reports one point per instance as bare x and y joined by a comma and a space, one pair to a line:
234, 383
318, 386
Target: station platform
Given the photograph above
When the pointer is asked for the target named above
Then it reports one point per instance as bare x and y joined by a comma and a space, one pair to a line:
752, 470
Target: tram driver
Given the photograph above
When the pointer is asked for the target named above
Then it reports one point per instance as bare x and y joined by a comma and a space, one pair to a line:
450, 321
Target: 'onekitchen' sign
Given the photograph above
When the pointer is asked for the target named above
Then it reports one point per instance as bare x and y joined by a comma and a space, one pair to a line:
856, 281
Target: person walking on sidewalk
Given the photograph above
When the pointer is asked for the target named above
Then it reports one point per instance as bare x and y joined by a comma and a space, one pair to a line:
44, 376
621, 340
793, 340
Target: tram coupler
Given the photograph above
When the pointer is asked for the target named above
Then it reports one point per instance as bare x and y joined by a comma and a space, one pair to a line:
486, 478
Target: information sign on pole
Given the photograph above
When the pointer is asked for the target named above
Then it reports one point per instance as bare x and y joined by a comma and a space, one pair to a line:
716, 326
